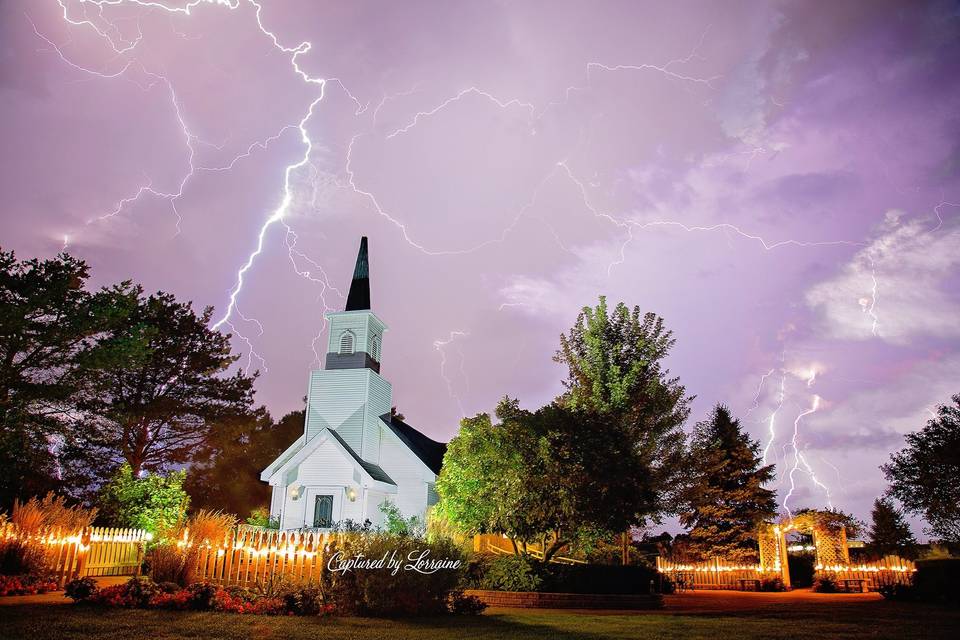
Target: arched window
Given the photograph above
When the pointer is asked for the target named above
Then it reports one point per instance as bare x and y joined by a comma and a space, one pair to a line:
375, 348
346, 343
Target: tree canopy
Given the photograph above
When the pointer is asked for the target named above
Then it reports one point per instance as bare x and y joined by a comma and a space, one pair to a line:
889, 532
162, 387
925, 476
557, 477
225, 471
50, 328
615, 371
725, 501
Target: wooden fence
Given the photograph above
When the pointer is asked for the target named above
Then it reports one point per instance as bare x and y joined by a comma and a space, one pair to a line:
92, 551
889, 570
715, 574
248, 557
501, 545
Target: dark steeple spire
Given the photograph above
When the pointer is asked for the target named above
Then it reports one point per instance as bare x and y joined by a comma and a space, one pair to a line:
359, 297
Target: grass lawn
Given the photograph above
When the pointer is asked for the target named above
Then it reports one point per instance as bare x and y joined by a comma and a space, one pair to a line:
800, 620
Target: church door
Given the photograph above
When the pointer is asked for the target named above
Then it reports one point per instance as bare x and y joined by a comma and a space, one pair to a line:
323, 512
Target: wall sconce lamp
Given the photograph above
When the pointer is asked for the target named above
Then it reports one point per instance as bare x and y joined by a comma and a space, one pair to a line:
295, 492
351, 494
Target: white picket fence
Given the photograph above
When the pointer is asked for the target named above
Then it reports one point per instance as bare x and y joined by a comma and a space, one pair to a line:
91, 551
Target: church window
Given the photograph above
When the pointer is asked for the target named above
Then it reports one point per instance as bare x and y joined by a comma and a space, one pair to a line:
375, 348
323, 512
346, 342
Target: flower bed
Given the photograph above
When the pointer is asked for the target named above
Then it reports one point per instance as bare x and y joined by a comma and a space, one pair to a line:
25, 585
143, 593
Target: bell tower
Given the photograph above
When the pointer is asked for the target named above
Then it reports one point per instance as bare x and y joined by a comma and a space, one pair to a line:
356, 333
348, 395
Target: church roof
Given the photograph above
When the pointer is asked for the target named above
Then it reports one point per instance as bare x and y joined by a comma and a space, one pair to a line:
375, 471
429, 451
359, 297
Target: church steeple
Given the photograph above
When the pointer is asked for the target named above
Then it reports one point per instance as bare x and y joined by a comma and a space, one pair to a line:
356, 333
359, 297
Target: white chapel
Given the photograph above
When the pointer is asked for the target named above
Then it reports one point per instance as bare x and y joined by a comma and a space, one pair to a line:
353, 454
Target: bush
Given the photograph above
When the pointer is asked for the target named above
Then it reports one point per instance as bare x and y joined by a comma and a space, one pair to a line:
260, 517
384, 592
825, 584
140, 590
303, 601
81, 589
898, 591
201, 596
462, 604
24, 554
154, 502
25, 585
512, 573
166, 564
598, 578
772, 584
938, 580
667, 585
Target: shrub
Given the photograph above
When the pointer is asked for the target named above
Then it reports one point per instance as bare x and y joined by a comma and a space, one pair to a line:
202, 596
598, 578
204, 527
166, 564
462, 604
81, 589
260, 517
25, 585
772, 584
384, 592
140, 590
303, 601
825, 584
153, 502
23, 554
512, 573
898, 591
938, 580
667, 585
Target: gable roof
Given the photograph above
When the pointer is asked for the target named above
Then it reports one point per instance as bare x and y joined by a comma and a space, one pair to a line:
429, 451
375, 471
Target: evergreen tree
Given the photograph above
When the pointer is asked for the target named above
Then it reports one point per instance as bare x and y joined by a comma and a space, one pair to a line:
615, 372
725, 500
49, 330
225, 472
889, 532
161, 387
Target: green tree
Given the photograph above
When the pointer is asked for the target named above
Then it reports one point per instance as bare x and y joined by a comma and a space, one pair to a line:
925, 476
481, 465
725, 499
49, 330
153, 501
615, 371
162, 388
889, 532
225, 472
558, 477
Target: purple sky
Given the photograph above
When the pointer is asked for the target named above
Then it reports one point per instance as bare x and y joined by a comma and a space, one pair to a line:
774, 179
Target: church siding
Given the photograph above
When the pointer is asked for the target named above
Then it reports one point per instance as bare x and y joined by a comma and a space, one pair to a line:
324, 471
408, 472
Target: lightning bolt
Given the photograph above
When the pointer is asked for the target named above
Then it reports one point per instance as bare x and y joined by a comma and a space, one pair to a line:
440, 346
772, 420
798, 457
